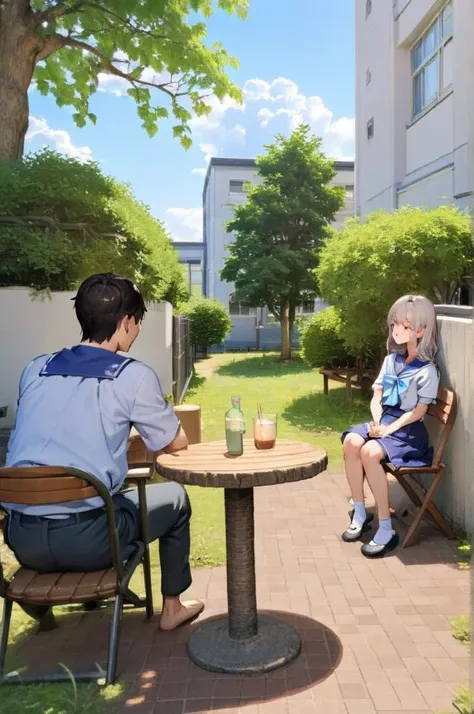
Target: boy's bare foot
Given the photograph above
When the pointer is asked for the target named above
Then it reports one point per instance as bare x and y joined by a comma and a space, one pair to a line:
176, 613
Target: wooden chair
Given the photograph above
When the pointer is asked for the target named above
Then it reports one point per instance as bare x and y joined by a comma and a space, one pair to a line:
48, 485
444, 411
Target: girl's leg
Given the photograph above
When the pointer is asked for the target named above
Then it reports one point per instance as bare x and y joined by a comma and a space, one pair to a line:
354, 469
372, 455
353, 444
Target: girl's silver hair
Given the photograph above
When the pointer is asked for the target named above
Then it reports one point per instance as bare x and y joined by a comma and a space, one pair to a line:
420, 313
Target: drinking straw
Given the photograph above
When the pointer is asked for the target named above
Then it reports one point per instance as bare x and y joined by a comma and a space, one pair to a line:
259, 410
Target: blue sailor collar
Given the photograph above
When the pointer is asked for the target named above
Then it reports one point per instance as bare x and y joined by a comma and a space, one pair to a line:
85, 361
393, 386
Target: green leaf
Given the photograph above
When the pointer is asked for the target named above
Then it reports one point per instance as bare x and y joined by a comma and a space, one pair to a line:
156, 36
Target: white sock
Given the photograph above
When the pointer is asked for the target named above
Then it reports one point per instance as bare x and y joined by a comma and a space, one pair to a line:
385, 532
358, 519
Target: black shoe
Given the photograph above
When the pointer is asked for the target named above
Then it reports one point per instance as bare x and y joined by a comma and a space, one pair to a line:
353, 533
91, 605
374, 550
43, 614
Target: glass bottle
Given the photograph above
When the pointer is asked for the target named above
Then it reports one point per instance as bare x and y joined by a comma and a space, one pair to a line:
234, 429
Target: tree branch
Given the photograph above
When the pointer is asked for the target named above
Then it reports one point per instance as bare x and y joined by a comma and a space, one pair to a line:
60, 10
51, 43
125, 21
106, 64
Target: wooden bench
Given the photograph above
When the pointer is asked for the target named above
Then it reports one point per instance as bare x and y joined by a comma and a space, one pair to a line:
352, 378
444, 412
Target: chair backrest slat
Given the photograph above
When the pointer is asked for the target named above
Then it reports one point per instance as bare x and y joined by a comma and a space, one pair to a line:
444, 411
41, 485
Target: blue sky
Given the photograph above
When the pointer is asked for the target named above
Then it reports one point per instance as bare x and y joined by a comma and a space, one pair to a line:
296, 64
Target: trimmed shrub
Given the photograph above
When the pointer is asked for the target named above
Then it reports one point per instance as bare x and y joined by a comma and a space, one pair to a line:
322, 344
210, 323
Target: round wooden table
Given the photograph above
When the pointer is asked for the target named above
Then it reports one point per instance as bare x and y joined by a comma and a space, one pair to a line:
242, 643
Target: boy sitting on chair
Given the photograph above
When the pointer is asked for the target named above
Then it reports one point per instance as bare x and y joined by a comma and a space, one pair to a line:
76, 408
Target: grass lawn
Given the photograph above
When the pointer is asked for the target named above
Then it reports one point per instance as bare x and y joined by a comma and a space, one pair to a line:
295, 393
291, 390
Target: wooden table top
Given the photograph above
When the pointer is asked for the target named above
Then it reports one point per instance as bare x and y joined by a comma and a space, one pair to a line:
209, 465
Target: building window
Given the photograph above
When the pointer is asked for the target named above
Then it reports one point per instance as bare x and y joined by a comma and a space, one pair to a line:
370, 128
368, 8
236, 186
432, 61
193, 277
241, 308
349, 191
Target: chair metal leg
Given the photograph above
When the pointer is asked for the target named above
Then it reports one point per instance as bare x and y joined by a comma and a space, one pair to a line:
146, 539
147, 578
114, 640
7, 614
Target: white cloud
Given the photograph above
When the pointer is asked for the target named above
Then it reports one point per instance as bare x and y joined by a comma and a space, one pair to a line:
199, 172
58, 139
283, 100
211, 130
184, 224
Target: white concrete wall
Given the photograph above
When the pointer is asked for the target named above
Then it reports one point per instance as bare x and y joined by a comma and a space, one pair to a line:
31, 326
219, 204
374, 157
404, 152
456, 359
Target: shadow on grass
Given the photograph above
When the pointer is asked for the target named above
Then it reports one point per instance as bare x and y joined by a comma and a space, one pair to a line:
263, 365
322, 413
195, 384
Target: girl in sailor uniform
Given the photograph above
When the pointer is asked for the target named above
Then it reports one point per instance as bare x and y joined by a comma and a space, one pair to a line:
406, 386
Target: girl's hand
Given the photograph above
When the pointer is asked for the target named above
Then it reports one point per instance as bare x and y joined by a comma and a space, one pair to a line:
376, 431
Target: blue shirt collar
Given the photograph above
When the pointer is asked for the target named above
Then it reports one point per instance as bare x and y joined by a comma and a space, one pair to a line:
85, 361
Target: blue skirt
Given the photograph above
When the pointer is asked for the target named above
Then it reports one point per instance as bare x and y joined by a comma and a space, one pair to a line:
407, 447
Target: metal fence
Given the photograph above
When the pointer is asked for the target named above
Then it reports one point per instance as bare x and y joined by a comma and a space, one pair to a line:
182, 357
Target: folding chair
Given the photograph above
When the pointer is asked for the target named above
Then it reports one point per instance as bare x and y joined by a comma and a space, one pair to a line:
47, 485
444, 411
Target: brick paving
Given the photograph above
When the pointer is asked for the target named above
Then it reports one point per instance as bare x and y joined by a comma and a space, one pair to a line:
376, 634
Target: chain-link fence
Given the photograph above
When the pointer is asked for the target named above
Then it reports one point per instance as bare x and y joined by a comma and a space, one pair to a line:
182, 357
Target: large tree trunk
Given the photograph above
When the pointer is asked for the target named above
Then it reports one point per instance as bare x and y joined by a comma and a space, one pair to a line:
18, 51
285, 332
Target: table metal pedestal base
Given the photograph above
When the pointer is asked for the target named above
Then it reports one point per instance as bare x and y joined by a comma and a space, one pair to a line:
276, 644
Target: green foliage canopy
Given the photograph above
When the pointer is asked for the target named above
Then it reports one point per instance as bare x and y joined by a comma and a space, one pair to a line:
152, 44
365, 267
124, 239
281, 227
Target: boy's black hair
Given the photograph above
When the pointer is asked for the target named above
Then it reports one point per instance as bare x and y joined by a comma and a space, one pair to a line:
102, 301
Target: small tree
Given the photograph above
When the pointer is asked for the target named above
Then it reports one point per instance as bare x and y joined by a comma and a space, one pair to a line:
365, 267
322, 343
279, 231
210, 323
113, 231
157, 48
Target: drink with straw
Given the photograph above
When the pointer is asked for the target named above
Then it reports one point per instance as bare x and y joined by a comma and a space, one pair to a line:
234, 429
264, 430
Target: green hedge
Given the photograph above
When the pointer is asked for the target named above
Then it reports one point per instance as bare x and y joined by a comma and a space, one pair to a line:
135, 244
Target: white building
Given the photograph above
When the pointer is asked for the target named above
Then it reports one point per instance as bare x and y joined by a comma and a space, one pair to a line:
414, 103
224, 189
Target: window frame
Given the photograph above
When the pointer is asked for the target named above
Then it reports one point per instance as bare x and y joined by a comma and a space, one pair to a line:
252, 311
370, 129
235, 181
437, 54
